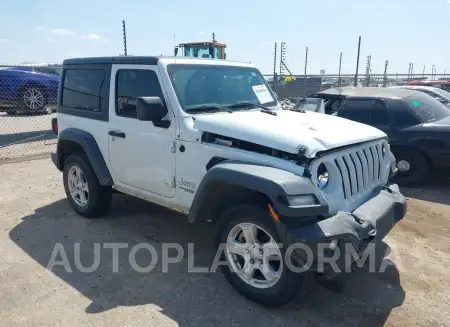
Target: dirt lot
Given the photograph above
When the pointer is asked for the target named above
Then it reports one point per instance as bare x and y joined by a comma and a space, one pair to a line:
413, 291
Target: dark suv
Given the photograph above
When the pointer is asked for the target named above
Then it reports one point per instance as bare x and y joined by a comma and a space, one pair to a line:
417, 125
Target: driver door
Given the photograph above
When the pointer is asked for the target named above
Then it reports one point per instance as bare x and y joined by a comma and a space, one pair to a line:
141, 154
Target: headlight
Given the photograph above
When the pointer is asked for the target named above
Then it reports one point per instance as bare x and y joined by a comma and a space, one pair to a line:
322, 176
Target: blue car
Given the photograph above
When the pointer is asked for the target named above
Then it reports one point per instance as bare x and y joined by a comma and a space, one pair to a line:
28, 89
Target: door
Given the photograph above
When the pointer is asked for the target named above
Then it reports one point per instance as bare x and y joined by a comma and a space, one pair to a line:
141, 154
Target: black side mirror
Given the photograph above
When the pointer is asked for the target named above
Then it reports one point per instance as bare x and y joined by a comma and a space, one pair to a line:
175, 52
150, 109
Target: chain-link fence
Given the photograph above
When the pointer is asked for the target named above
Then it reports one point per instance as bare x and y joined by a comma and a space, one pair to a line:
27, 103
305, 85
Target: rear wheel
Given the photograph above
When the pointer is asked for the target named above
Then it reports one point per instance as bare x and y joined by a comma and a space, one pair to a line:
256, 265
85, 194
413, 167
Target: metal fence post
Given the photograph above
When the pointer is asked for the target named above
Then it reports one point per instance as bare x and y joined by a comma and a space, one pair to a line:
357, 62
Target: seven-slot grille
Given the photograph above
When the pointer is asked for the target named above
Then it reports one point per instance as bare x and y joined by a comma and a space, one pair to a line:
353, 173
360, 169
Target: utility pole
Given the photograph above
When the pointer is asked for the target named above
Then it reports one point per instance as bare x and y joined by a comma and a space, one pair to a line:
340, 66
357, 62
275, 79
282, 56
124, 38
304, 78
369, 59
385, 73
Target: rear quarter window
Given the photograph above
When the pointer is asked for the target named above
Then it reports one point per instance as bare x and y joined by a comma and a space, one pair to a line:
427, 108
81, 89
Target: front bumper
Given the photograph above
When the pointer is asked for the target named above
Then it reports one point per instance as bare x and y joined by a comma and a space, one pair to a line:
370, 222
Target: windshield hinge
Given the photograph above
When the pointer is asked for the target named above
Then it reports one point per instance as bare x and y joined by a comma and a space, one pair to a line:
173, 148
174, 182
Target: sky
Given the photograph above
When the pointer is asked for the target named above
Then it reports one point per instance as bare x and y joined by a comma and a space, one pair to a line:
401, 31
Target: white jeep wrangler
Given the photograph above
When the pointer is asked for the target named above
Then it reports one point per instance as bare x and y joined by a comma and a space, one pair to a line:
208, 138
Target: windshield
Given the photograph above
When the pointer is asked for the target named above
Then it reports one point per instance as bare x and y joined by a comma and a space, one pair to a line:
213, 85
427, 108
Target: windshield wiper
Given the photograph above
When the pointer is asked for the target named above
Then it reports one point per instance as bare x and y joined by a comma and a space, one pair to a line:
206, 108
244, 104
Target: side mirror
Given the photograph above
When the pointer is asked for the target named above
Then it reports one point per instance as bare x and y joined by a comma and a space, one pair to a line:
150, 109
211, 52
175, 51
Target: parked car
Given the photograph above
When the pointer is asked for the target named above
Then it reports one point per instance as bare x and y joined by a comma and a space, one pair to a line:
417, 125
303, 104
209, 139
443, 84
436, 92
28, 89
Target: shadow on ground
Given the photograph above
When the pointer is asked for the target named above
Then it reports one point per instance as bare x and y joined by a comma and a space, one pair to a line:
436, 189
190, 299
26, 137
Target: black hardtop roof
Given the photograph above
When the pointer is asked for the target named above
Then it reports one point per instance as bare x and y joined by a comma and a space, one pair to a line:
372, 92
136, 60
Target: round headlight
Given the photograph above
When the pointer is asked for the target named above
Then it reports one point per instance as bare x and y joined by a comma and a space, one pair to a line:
322, 176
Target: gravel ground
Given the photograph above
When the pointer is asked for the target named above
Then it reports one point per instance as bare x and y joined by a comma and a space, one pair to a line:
414, 289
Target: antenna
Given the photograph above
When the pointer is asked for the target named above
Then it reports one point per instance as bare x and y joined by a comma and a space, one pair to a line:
214, 37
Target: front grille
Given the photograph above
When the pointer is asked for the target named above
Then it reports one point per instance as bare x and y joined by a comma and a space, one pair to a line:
353, 173
360, 169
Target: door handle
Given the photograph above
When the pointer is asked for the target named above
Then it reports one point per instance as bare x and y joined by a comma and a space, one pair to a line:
117, 134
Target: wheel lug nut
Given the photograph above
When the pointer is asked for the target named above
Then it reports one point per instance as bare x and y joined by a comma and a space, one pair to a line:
260, 262
246, 251
252, 261
260, 251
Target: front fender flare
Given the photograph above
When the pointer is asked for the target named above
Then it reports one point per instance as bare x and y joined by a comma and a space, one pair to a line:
275, 183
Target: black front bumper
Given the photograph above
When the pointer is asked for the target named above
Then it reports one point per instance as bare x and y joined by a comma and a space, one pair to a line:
370, 222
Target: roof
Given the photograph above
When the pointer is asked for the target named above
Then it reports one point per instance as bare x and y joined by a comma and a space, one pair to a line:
417, 87
148, 60
373, 92
137, 60
204, 43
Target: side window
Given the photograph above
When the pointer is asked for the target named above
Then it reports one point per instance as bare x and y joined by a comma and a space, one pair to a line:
357, 110
132, 84
82, 89
379, 114
405, 118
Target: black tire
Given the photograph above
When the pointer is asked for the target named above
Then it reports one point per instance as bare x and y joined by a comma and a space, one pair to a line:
288, 285
11, 112
99, 200
419, 167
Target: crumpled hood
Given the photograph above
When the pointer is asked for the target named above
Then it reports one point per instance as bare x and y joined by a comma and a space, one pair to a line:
288, 131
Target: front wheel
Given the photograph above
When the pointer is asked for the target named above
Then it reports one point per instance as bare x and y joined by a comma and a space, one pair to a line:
256, 265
